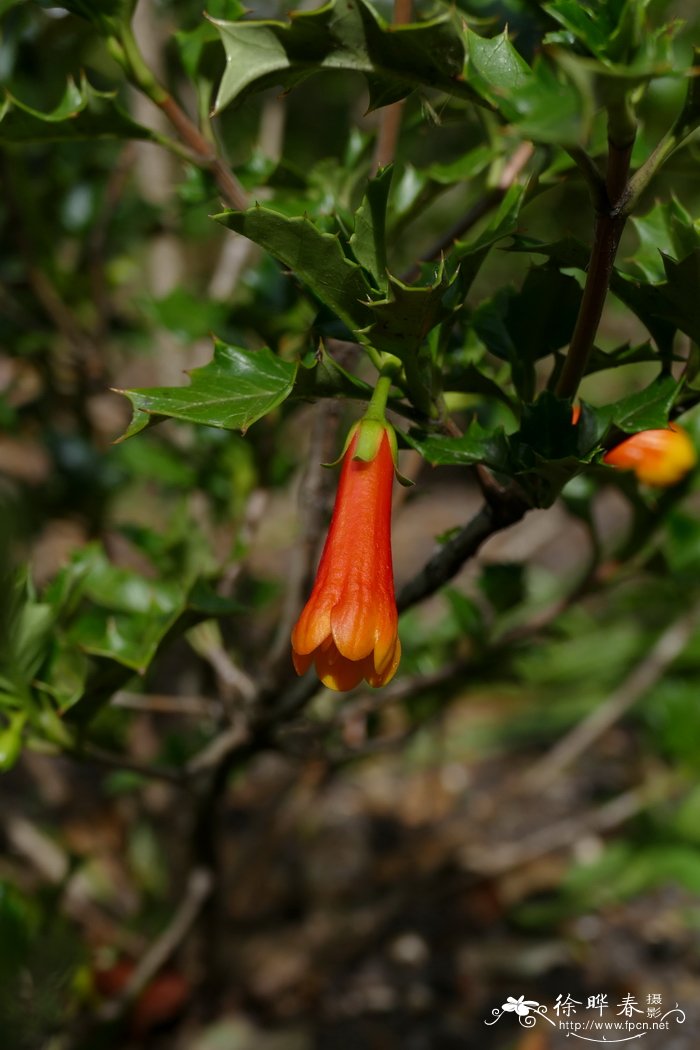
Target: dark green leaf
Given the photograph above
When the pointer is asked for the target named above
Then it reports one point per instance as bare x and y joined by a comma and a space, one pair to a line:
316, 258
368, 241
403, 320
646, 410
324, 377
476, 446
600, 360
347, 35
129, 639
82, 113
546, 428
680, 293
234, 390
540, 101
618, 36
524, 326
667, 229
645, 300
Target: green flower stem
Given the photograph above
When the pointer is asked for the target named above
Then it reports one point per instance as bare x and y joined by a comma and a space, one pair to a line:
126, 51
389, 367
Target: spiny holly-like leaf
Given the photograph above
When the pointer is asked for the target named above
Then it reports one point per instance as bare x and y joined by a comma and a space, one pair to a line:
234, 390
543, 104
648, 409
600, 360
194, 45
645, 300
404, 318
495, 69
322, 376
368, 241
546, 430
478, 445
522, 326
347, 35
316, 258
616, 35
82, 113
548, 450
667, 229
681, 293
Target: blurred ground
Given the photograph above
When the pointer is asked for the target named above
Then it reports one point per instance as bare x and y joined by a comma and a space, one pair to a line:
387, 891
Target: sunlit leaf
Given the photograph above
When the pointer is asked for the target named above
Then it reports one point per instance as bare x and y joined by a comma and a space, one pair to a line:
234, 390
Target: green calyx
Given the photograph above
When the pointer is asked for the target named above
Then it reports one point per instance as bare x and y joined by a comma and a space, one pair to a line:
370, 430
370, 433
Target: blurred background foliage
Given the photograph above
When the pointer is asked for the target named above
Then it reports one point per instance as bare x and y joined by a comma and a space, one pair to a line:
517, 813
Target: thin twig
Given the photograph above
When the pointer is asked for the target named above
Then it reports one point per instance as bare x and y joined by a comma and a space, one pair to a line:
204, 152
205, 639
199, 885
229, 186
643, 677
449, 559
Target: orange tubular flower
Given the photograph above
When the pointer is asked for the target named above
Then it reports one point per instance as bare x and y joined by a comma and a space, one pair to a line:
658, 457
349, 626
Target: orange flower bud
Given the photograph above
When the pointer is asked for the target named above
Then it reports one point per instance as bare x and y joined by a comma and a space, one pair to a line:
349, 626
658, 457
